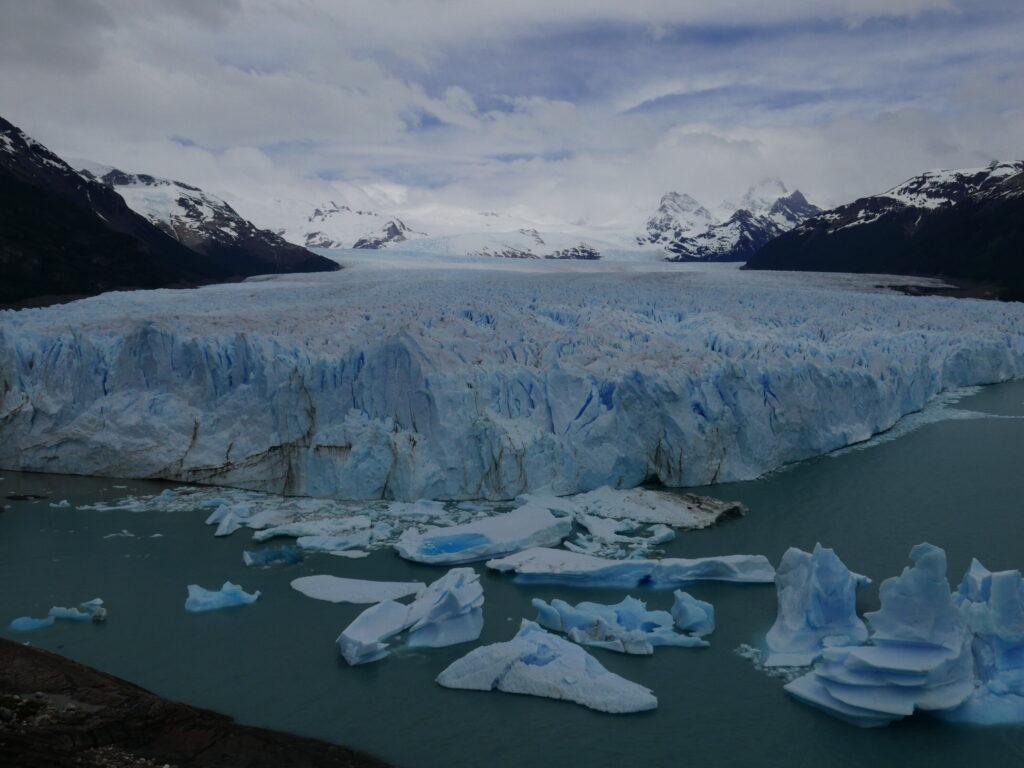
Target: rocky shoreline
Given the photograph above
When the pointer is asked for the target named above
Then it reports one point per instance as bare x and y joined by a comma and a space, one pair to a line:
57, 712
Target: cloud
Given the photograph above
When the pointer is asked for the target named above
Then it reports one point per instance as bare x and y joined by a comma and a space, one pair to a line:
578, 109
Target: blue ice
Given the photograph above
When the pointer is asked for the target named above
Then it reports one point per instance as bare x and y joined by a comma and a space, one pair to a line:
283, 555
229, 595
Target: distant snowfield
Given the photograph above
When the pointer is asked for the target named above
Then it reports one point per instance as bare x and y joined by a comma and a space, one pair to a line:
409, 376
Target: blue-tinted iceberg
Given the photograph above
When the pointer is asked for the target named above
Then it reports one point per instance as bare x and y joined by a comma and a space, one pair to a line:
449, 611
559, 566
920, 658
539, 663
817, 608
229, 595
283, 555
525, 527
992, 604
91, 610
628, 627
691, 615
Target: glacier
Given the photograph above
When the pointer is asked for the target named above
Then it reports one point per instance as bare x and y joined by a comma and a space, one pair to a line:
627, 627
541, 565
449, 611
227, 596
524, 527
404, 380
817, 597
538, 663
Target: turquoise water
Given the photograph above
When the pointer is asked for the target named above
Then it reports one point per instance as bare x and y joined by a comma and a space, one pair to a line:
956, 483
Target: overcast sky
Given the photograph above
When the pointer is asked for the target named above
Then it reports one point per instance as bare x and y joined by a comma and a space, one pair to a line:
574, 109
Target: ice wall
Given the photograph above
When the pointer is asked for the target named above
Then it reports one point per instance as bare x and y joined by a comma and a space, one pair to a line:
476, 383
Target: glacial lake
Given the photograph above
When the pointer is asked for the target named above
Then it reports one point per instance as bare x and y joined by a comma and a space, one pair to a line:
957, 483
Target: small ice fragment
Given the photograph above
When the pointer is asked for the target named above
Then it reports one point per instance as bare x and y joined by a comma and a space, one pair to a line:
692, 615
200, 599
283, 555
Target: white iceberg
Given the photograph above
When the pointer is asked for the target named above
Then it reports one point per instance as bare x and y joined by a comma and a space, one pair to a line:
691, 615
627, 627
335, 589
229, 595
558, 566
447, 612
522, 528
817, 596
920, 658
539, 663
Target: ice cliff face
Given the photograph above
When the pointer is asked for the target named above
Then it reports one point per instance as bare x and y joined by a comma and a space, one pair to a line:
481, 382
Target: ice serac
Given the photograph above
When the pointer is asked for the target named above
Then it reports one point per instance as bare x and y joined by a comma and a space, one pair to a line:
920, 657
558, 566
227, 596
627, 627
448, 612
538, 663
992, 604
395, 384
335, 589
523, 528
817, 608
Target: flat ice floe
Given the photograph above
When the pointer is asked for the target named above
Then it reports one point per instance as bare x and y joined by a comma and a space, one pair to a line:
559, 566
538, 663
482, 381
335, 589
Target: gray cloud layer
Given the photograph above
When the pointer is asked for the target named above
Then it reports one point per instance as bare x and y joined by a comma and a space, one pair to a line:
578, 109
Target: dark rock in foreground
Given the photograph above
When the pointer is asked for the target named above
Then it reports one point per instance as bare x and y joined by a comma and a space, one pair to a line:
56, 712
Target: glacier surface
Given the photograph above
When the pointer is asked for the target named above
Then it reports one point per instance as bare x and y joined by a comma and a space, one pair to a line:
443, 381
539, 663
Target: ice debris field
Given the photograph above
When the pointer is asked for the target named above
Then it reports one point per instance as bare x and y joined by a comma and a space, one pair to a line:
444, 381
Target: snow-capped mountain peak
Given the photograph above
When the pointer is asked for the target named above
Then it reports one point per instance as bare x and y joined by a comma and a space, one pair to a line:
762, 196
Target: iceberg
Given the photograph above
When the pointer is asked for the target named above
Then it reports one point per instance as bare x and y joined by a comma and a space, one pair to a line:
992, 605
628, 627
691, 615
920, 657
522, 528
557, 566
447, 612
817, 596
538, 663
283, 555
335, 589
377, 383
229, 595
91, 610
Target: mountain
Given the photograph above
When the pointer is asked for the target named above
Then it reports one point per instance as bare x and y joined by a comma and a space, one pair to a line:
690, 232
966, 224
332, 225
63, 235
206, 224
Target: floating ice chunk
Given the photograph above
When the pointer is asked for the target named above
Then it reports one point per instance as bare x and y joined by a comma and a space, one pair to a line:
283, 555
447, 612
351, 554
62, 504
200, 599
334, 589
527, 526
628, 627
921, 657
692, 615
124, 533
311, 528
334, 543
679, 510
559, 566
91, 610
363, 639
538, 663
992, 604
817, 608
